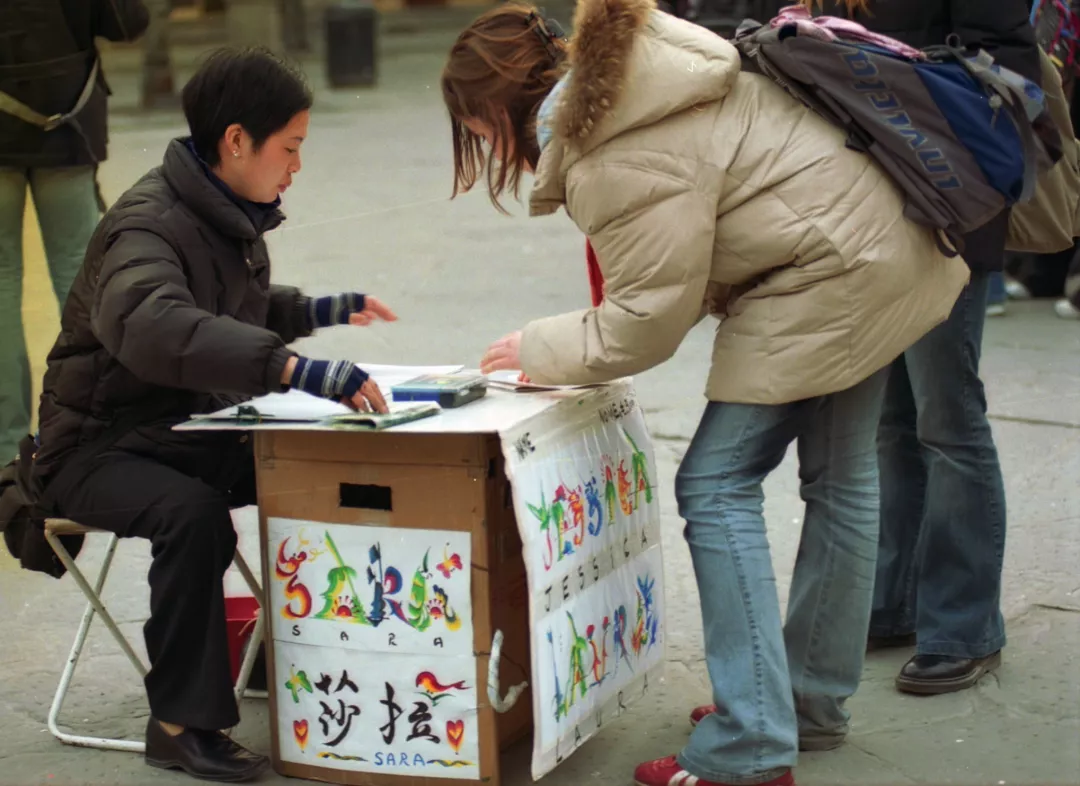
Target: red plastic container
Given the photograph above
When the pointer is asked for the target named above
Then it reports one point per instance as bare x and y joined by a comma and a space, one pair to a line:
239, 623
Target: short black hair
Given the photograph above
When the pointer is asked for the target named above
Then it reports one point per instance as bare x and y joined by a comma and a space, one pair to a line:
251, 86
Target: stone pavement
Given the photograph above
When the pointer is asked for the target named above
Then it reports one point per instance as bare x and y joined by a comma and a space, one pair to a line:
370, 212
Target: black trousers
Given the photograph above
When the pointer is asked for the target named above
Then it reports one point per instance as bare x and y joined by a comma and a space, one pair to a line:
177, 495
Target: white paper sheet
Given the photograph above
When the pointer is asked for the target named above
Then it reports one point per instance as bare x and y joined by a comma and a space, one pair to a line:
299, 406
508, 380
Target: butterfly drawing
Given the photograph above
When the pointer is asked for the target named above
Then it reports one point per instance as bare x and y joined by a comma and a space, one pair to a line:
450, 563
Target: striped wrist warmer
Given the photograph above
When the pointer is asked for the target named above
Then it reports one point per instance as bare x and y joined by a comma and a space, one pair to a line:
334, 379
334, 309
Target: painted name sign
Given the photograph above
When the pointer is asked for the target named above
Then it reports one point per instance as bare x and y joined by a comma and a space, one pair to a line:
371, 588
412, 715
583, 479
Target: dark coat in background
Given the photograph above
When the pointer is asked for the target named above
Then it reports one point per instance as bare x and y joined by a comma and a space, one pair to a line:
47, 52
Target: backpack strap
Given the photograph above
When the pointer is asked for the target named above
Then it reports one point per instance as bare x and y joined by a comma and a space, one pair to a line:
15, 108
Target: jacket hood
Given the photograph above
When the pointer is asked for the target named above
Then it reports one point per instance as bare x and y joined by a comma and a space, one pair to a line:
631, 66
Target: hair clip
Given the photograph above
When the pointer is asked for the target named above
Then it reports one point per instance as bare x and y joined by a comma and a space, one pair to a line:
549, 31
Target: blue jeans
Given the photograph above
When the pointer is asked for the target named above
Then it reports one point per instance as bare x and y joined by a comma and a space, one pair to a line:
773, 684
67, 210
996, 289
942, 494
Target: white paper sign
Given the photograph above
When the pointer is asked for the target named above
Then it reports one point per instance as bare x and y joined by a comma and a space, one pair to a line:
377, 589
412, 715
583, 477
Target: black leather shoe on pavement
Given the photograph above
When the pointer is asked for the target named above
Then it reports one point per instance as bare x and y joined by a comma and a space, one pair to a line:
934, 674
208, 755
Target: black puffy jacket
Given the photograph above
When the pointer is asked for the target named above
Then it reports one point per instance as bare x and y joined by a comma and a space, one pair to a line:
173, 313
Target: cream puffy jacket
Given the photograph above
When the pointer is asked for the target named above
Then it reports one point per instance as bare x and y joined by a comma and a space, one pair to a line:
703, 188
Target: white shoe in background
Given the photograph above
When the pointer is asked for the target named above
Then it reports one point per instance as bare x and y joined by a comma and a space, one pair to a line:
995, 310
1015, 290
1066, 310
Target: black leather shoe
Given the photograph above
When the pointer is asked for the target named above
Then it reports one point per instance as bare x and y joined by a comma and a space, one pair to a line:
875, 643
934, 674
209, 755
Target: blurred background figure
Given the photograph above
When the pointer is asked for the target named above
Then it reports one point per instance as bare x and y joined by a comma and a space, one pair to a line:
1053, 276
996, 296
53, 134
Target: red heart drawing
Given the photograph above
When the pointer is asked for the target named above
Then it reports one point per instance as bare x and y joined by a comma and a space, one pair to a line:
300, 732
455, 734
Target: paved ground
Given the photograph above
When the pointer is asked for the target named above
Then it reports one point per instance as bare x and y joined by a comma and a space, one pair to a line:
370, 212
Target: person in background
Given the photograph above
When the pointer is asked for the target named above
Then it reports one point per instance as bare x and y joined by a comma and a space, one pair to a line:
705, 189
49, 66
174, 313
1068, 307
938, 584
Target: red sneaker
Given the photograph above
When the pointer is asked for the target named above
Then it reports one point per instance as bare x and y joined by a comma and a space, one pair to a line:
667, 772
700, 713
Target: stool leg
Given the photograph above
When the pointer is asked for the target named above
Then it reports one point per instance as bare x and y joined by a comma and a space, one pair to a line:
256, 634
249, 577
249, 660
93, 596
94, 604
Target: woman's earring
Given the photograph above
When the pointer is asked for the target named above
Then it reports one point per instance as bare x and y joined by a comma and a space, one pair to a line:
236, 154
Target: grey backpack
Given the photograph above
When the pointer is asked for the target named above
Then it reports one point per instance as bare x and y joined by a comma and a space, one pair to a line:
962, 137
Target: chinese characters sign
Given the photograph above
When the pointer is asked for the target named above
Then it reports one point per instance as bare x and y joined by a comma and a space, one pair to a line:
406, 715
586, 504
376, 589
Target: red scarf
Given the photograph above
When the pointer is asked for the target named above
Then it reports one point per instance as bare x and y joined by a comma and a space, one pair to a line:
596, 278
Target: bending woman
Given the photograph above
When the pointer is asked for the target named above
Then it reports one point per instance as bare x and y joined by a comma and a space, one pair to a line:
704, 189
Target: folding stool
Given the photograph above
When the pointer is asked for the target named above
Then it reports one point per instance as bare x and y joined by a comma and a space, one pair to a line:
54, 528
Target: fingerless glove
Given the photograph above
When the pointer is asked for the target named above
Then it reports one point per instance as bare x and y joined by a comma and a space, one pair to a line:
334, 379
334, 309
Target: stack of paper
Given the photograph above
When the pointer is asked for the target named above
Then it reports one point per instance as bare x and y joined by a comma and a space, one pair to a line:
508, 380
299, 407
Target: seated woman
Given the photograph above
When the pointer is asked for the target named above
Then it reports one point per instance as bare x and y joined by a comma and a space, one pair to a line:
173, 313
704, 188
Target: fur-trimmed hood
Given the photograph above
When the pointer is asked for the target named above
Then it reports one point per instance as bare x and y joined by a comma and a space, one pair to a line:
630, 66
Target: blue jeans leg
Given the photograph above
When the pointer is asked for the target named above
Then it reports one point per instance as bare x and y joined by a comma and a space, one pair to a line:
832, 587
959, 547
903, 497
753, 737
14, 364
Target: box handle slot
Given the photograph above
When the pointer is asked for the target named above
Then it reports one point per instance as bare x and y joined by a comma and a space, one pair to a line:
355, 495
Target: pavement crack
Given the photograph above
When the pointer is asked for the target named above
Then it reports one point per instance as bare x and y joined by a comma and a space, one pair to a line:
658, 437
1057, 607
1034, 421
882, 760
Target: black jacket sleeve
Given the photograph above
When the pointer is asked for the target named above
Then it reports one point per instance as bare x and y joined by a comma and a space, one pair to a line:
145, 316
120, 20
1003, 28
288, 315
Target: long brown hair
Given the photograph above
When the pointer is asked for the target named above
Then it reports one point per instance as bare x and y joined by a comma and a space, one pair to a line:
499, 71
852, 5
